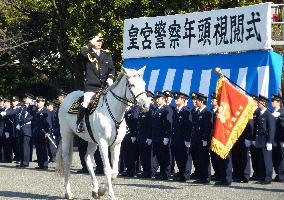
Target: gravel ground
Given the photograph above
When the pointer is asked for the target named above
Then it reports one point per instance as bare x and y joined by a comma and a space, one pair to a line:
33, 184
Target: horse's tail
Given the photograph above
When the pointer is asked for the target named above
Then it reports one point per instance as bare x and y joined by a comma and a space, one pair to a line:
59, 158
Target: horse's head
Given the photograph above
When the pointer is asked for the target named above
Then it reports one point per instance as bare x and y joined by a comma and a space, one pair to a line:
136, 87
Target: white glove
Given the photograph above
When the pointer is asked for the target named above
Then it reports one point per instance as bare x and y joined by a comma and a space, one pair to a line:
109, 81
7, 134
95, 39
166, 141
247, 143
149, 141
18, 127
282, 144
133, 139
268, 146
204, 143
276, 114
253, 143
187, 144
3, 113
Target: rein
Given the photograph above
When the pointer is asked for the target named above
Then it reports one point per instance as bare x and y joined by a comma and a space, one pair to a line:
123, 100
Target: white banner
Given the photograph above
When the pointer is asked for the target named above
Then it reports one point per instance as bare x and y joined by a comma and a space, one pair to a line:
218, 31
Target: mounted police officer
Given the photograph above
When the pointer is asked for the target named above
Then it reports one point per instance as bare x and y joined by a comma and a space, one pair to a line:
200, 138
264, 132
161, 135
278, 150
99, 72
180, 140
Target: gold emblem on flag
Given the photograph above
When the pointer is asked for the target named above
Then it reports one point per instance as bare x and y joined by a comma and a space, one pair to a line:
224, 113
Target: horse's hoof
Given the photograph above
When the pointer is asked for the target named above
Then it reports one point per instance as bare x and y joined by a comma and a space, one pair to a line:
114, 176
95, 195
102, 191
69, 196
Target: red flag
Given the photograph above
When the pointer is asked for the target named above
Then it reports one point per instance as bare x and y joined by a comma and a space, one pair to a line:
235, 109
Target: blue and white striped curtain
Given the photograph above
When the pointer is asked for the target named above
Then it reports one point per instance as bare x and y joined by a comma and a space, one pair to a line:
258, 72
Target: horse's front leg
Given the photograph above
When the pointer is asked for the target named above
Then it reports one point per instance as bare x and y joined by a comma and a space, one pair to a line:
107, 168
67, 151
115, 151
89, 158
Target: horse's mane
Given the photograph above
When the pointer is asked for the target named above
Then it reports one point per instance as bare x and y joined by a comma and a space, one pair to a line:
119, 77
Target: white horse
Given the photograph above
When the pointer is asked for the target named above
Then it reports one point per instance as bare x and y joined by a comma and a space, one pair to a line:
108, 127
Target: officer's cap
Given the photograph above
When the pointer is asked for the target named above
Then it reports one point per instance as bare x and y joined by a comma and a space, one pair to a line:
50, 102
263, 99
29, 95
160, 94
61, 93
180, 94
150, 94
40, 98
193, 95
7, 99
275, 97
15, 98
168, 93
213, 95
91, 35
201, 97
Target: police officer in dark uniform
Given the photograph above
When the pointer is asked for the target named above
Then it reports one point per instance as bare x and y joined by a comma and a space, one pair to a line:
169, 101
52, 149
161, 135
41, 127
214, 157
180, 140
144, 137
99, 72
264, 132
278, 150
131, 118
200, 138
194, 156
25, 129
11, 127
1, 126
8, 130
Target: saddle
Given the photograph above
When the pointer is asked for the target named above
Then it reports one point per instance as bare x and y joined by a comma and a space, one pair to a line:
74, 108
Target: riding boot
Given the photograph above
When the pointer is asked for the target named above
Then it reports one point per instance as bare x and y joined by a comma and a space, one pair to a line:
80, 117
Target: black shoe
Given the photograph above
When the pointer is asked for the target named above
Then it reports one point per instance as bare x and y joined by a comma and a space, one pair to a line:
244, 181
265, 182
193, 176
202, 181
21, 166
82, 171
42, 168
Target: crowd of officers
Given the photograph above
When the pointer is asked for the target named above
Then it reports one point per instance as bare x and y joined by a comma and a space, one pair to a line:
173, 136
163, 143
27, 123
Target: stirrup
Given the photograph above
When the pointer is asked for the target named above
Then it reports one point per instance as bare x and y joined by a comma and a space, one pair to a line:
80, 127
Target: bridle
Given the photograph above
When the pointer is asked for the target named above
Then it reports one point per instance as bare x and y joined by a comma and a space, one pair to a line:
123, 100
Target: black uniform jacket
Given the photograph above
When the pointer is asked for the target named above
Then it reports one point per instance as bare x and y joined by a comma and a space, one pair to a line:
97, 74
